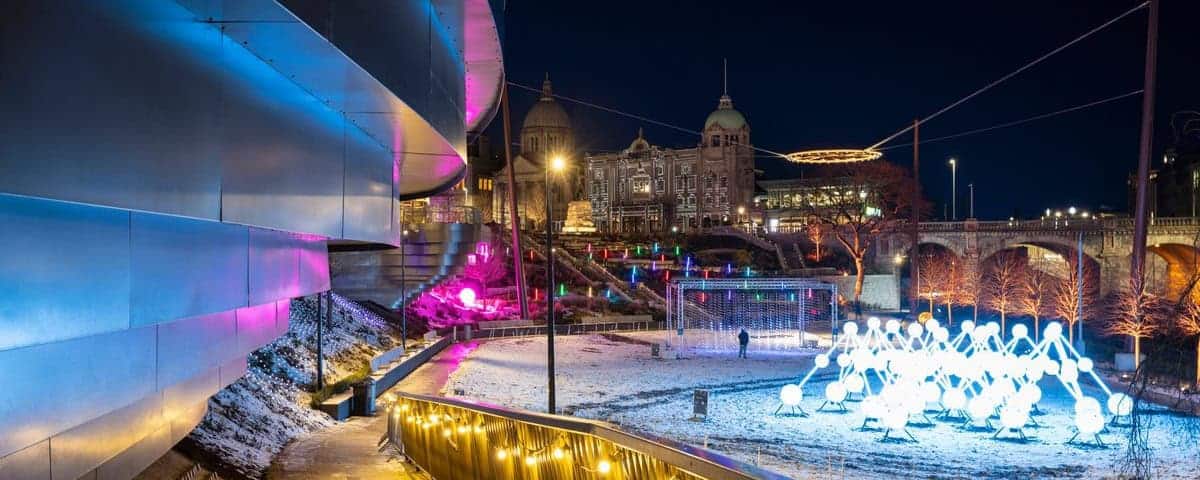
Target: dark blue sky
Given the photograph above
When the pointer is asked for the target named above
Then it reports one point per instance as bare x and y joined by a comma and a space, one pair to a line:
827, 74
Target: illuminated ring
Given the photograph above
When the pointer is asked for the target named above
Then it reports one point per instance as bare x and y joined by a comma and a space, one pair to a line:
834, 156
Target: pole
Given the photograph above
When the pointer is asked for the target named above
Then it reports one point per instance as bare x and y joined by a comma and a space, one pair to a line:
914, 272
1138, 259
1079, 301
953, 190
549, 293
403, 290
518, 269
320, 354
971, 187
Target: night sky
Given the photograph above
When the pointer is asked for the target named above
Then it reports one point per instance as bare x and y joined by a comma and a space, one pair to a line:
847, 74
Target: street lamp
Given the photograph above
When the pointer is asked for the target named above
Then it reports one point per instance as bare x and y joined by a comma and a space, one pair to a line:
557, 164
897, 261
403, 288
953, 189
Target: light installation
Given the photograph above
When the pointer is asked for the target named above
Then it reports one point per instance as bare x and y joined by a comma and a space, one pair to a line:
844, 155
976, 376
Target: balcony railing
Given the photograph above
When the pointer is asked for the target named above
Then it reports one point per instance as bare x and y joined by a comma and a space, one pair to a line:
422, 213
451, 438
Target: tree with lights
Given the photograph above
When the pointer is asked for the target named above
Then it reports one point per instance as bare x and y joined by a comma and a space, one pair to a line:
860, 199
1137, 314
1002, 284
1067, 295
816, 233
1034, 298
1187, 322
968, 290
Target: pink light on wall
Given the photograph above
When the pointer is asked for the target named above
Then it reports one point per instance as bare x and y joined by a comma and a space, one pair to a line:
467, 296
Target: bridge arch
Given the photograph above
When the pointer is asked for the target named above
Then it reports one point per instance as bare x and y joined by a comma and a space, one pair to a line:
1171, 268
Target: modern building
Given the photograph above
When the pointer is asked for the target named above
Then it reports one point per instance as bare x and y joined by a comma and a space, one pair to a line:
545, 134
647, 188
172, 173
789, 205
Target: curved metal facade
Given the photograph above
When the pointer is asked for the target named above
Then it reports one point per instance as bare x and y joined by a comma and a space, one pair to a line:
170, 174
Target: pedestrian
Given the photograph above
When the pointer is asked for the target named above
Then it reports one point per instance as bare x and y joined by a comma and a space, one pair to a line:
743, 341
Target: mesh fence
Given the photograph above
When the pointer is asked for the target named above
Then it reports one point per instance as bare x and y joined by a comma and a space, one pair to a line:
708, 315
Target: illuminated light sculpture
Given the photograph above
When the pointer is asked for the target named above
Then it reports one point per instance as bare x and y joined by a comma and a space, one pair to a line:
467, 296
975, 375
789, 397
842, 155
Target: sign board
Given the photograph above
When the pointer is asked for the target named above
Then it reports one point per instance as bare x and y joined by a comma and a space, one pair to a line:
699, 404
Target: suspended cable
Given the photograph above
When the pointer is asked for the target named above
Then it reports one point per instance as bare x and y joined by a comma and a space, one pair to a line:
631, 115
1010, 75
1022, 121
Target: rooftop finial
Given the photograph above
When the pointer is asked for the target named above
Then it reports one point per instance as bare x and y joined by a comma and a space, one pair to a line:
639, 132
725, 76
546, 93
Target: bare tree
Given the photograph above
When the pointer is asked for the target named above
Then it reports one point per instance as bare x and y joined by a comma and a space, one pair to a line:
1188, 324
932, 271
969, 291
816, 233
1137, 314
1034, 298
1067, 296
1001, 284
867, 195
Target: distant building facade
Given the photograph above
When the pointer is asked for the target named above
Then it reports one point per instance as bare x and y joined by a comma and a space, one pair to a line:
647, 188
789, 205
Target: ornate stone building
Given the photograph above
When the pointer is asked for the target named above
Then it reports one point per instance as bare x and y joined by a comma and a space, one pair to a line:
647, 188
545, 133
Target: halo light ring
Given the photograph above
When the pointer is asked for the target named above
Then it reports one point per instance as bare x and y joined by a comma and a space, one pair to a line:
830, 156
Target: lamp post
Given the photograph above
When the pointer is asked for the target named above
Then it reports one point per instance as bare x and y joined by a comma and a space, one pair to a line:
557, 164
403, 292
953, 189
897, 261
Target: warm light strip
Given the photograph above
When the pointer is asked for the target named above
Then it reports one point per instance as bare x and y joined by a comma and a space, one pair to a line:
834, 156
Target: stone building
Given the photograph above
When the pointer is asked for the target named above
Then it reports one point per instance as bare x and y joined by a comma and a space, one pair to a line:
647, 188
545, 133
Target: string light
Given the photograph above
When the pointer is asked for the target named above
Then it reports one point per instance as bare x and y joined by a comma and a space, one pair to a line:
834, 156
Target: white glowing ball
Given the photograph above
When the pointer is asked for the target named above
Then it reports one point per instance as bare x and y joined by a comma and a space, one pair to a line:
821, 361
791, 394
1035, 373
892, 326
930, 392
895, 419
1086, 364
915, 330
1050, 366
980, 408
1014, 416
954, 399
1089, 423
1068, 371
872, 408
968, 326
1120, 404
1087, 405
980, 332
993, 328
873, 322
854, 384
932, 324
1030, 393
941, 334
850, 328
1020, 330
843, 360
1053, 331
835, 392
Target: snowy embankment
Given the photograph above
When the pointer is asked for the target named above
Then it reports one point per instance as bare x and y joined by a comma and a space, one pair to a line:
619, 382
251, 420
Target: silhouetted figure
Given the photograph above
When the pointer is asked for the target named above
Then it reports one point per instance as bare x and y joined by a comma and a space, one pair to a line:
743, 341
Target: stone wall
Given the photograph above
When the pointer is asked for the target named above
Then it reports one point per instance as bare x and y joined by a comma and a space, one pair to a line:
880, 292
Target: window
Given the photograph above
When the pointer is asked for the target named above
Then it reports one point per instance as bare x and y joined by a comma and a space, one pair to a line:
533, 144
659, 185
716, 141
724, 181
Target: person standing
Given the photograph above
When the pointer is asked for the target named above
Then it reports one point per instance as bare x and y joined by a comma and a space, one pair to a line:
743, 341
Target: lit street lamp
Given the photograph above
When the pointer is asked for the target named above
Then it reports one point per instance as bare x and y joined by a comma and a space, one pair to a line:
953, 189
557, 164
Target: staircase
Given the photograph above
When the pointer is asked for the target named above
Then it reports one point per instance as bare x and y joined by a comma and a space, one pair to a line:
760, 242
433, 254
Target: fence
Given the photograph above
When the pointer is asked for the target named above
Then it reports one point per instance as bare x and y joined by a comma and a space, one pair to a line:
454, 439
568, 329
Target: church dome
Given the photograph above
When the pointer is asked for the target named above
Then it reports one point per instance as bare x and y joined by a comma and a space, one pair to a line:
725, 116
639, 143
546, 113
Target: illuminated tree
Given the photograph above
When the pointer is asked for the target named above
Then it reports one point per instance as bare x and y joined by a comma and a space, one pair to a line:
1065, 303
1188, 324
969, 287
1002, 284
816, 233
1034, 298
940, 276
1137, 314
858, 200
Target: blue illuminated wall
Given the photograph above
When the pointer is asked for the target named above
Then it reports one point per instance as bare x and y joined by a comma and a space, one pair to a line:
170, 175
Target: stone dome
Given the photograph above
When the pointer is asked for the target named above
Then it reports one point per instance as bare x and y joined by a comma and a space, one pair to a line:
725, 116
639, 143
546, 113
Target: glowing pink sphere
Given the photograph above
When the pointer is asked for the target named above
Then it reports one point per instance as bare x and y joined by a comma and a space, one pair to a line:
467, 297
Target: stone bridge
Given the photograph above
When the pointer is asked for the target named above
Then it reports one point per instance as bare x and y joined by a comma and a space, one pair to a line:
1107, 244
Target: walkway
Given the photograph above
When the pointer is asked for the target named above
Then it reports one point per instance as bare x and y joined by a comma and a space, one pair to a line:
349, 450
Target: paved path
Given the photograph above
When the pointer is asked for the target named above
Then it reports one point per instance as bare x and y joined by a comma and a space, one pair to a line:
348, 450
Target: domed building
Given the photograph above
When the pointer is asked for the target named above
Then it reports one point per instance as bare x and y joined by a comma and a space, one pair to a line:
545, 134
646, 188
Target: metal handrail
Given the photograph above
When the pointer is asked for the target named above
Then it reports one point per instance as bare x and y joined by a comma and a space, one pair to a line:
420, 214
455, 438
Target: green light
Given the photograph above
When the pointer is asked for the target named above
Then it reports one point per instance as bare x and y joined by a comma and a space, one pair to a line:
562, 289
677, 250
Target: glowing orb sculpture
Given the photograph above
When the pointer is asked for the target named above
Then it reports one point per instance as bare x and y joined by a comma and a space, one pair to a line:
834, 156
467, 296
975, 374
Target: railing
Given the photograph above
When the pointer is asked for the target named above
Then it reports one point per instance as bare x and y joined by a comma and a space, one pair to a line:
412, 213
450, 438
565, 329
1072, 224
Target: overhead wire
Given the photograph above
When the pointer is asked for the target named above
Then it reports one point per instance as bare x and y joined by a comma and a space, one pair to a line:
1022, 121
1010, 75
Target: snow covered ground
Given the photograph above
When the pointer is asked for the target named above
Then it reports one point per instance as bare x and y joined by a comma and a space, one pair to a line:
617, 381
